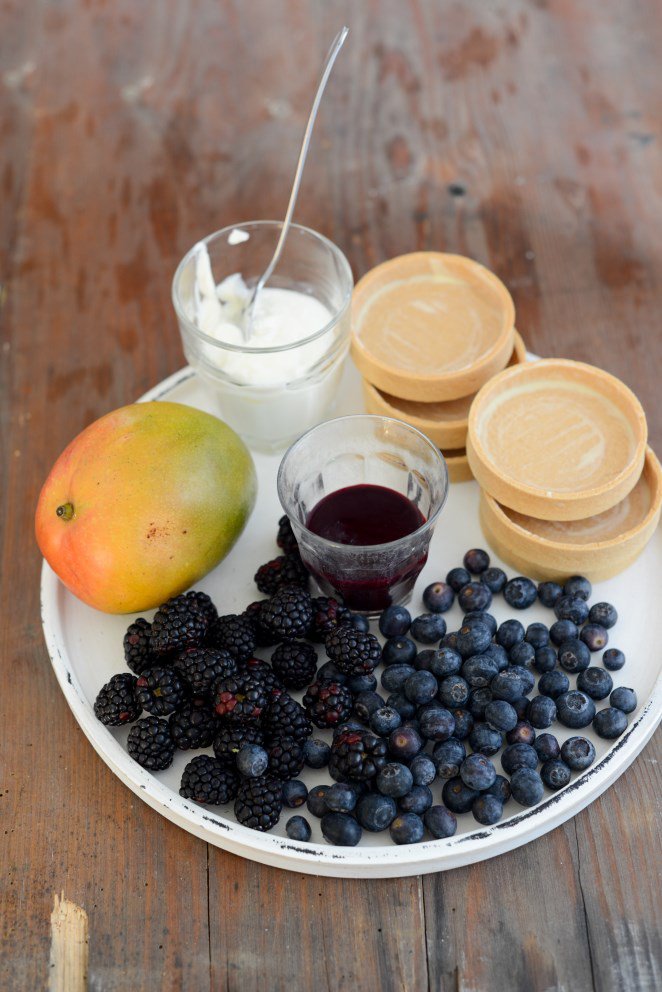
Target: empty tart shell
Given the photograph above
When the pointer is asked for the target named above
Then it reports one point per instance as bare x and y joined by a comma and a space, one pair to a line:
599, 546
431, 326
556, 439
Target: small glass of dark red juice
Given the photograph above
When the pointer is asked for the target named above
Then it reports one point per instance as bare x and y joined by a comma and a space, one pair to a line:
363, 494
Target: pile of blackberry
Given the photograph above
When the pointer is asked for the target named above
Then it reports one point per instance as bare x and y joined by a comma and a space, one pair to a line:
464, 712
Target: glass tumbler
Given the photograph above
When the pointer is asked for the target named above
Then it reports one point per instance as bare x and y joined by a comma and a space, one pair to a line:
269, 395
360, 450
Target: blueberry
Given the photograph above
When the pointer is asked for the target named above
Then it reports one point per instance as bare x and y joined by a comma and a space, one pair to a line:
464, 722
545, 659
453, 691
298, 828
521, 706
394, 677
447, 757
329, 672
341, 829
421, 687
500, 715
423, 769
624, 699
418, 799
481, 616
407, 828
575, 709
537, 634
252, 760
394, 779
457, 578
474, 596
541, 712
578, 586
613, 659
362, 683
405, 743
479, 670
316, 753
316, 801
450, 640
603, 614
384, 720
295, 793
485, 740
437, 724
574, 656
500, 788
595, 682
477, 772
443, 662
510, 632
487, 809
553, 684
594, 636
526, 786
395, 621
527, 677
516, 756
478, 700
522, 733
555, 774
578, 753
507, 685
398, 701
494, 578
360, 623
522, 653
473, 638
563, 630
610, 723
365, 705
438, 597
520, 592
428, 628
376, 812
340, 798
440, 822
548, 593
399, 651
546, 747
457, 796
571, 608
476, 561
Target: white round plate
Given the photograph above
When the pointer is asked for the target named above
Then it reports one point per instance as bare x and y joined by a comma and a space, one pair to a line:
86, 649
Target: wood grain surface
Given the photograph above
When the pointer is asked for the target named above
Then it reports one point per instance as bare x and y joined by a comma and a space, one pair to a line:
525, 134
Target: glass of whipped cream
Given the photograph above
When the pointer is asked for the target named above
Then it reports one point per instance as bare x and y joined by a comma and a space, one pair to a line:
278, 374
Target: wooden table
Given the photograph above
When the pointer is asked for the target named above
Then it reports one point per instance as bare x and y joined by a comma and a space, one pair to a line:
525, 134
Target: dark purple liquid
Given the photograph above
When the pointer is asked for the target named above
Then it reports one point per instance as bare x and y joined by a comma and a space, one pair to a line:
368, 515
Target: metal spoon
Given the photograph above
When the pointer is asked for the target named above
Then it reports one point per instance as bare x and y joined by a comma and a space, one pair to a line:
266, 275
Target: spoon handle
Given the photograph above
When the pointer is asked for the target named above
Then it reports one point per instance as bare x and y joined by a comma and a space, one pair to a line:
326, 72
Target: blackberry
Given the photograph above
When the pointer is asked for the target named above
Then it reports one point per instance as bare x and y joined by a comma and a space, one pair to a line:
201, 667
161, 691
328, 703
206, 781
204, 605
180, 623
195, 726
262, 672
285, 538
284, 717
295, 664
229, 740
328, 614
285, 758
287, 615
357, 756
240, 699
285, 570
235, 634
253, 613
150, 743
117, 702
137, 646
354, 652
259, 802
